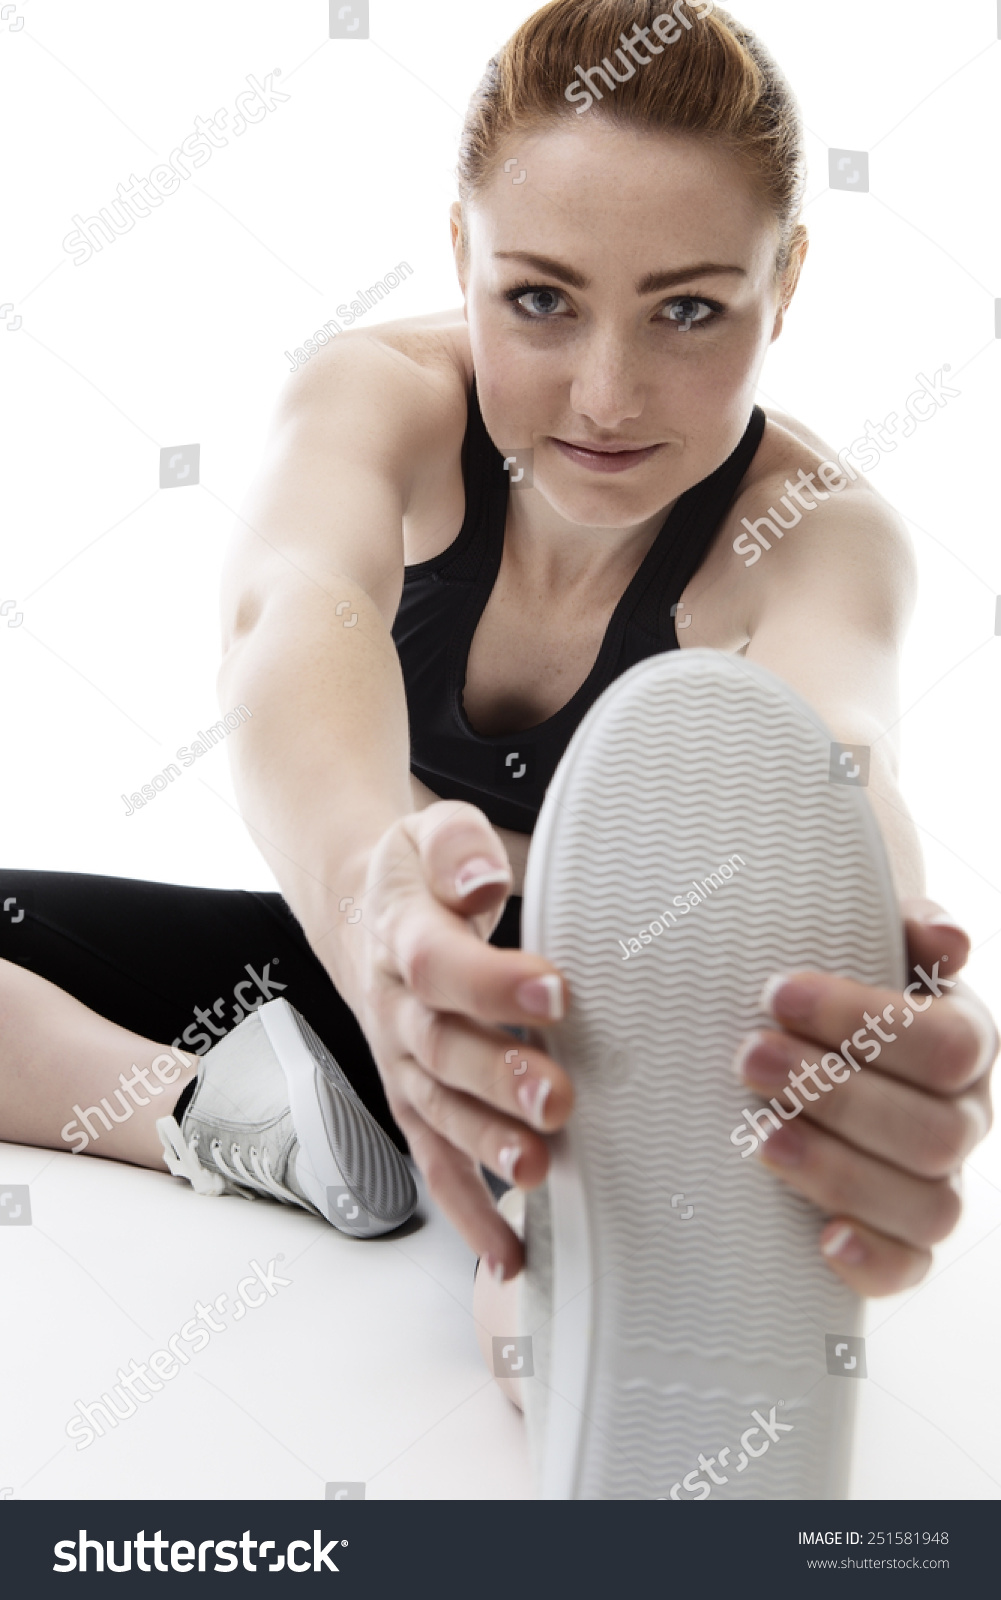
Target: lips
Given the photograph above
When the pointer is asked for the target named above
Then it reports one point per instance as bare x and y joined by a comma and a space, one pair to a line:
598, 458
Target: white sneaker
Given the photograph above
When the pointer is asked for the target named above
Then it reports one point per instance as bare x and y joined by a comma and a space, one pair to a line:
273, 1114
699, 835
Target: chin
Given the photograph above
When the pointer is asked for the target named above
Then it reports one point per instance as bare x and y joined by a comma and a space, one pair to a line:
610, 508
610, 503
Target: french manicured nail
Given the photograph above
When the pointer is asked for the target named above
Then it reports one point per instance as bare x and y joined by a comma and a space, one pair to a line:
784, 1148
789, 997
507, 1160
532, 1098
942, 919
476, 872
771, 1063
844, 1245
542, 997
495, 1268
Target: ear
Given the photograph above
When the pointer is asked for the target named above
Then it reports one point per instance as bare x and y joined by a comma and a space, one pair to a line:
799, 245
457, 231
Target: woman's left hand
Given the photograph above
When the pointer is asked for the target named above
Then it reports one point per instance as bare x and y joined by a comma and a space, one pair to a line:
880, 1151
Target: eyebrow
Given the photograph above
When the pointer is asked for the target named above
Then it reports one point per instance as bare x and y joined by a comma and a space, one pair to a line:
650, 284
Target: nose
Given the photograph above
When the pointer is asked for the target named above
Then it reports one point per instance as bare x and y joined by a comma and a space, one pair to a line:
607, 388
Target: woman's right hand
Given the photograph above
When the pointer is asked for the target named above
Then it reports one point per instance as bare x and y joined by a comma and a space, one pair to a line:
430, 994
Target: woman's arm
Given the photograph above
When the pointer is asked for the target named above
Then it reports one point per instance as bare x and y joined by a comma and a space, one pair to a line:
397, 903
310, 588
826, 611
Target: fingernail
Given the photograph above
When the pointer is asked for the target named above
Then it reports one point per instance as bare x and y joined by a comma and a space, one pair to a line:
476, 872
771, 1060
941, 919
507, 1160
783, 1148
495, 1268
789, 997
845, 1244
532, 1098
542, 997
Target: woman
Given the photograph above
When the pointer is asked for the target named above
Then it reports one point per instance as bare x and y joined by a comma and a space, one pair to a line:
627, 243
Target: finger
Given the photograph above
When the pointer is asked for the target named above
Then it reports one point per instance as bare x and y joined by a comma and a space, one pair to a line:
464, 858
871, 1263
508, 1148
844, 1181
448, 966
933, 935
928, 1135
516, 1078
941, 1045
455, 1185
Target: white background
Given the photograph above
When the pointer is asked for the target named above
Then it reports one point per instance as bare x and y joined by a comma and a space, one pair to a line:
175, 333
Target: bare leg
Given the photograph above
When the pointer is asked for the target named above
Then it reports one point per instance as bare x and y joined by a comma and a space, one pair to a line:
496, 1310
56, 1055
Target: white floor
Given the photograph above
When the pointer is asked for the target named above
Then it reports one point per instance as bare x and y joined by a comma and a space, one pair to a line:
363, 1367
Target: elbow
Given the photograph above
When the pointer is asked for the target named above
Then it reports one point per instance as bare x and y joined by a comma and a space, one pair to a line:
240, 618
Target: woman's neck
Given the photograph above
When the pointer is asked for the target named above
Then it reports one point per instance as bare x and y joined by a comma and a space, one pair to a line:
554, 554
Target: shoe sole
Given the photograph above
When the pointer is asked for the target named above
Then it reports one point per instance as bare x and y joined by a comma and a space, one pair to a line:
347, 1167
688, 1288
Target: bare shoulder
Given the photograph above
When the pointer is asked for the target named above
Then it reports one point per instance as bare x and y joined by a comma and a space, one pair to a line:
361, 461
388, 390
836, 494
806, 529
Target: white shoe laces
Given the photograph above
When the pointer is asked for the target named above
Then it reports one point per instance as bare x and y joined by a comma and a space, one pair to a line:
262, 1177
182, 1159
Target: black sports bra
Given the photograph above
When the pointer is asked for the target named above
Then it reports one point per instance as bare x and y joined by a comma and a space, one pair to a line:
506, 774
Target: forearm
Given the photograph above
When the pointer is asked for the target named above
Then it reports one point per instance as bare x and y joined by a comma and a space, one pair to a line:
900, 837
321, 769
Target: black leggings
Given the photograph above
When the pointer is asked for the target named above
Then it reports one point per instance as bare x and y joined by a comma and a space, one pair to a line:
184, 965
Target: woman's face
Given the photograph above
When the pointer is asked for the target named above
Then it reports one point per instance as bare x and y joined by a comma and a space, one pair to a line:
620, 292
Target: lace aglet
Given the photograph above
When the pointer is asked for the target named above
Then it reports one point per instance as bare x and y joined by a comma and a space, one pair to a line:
182, 1161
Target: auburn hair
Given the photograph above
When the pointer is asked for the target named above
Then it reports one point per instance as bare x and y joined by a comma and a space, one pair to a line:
714, 79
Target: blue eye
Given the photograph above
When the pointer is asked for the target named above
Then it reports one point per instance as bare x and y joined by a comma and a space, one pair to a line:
543, 303
690, 312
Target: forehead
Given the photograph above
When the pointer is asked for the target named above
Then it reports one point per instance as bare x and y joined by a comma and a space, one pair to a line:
613, 194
